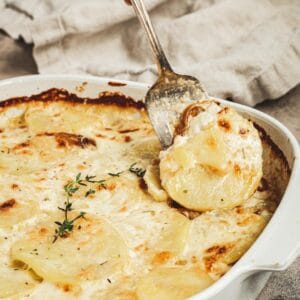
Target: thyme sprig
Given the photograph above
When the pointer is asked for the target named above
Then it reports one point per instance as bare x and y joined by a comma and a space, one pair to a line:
66, 226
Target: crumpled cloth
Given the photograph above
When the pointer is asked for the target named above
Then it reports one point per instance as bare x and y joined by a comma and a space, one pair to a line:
243, 50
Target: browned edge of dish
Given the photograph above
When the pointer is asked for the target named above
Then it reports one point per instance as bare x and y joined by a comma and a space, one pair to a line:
276, 150
54, 94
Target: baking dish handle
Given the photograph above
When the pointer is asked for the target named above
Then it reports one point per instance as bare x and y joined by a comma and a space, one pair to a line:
279, 243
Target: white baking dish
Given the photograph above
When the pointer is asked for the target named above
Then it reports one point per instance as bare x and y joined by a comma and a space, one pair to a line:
276, 247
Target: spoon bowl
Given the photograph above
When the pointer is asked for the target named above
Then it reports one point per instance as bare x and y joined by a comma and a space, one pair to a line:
172, 92
167, 99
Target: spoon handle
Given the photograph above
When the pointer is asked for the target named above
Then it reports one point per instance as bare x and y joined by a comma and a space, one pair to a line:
161, 60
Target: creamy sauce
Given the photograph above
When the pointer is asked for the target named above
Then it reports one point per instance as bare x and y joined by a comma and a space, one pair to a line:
36, 166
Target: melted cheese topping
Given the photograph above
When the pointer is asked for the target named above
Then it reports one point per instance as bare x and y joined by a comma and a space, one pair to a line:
132, 235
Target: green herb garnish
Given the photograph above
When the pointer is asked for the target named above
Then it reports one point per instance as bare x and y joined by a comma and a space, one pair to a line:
67, 225
139, 172
90, 192
115, 174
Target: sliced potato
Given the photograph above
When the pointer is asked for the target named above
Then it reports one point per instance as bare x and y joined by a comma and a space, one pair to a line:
13, 282
51, 117
217, 247
94, 250
146, 148
251, 226
60, 146
123, 289
13, 211
172, 283
18, 119
17, 164
152, 180
66, 117
219, 167
171, 240
174, 234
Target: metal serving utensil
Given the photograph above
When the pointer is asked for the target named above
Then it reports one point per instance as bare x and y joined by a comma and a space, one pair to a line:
172, 92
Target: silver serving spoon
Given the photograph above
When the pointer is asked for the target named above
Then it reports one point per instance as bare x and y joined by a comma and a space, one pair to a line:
172, 92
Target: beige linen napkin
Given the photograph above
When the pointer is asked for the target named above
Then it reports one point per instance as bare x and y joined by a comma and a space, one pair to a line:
244, 50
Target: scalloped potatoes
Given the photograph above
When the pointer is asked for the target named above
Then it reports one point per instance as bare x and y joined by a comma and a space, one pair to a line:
14, 281
216, 162
172, 283
94, 251
135, 242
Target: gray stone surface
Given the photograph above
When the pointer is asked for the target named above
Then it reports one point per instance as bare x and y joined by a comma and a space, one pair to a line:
16, 59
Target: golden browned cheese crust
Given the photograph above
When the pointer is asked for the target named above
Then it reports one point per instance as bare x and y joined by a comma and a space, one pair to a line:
102, 156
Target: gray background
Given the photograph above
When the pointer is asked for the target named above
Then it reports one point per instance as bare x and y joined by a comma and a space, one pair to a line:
16, 60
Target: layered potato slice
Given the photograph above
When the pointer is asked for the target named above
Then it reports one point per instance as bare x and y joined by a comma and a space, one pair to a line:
14, 281
120, 290
152, 228
13, 211
215, 162
18, 164
154, 187
147, 148
67, 117
43, 150
216, 247
174, 283
173, 235
93, 250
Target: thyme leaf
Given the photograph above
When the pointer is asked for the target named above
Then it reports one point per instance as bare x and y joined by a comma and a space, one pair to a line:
90, 192
116, 174
64, 228
92, 180
139, 172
